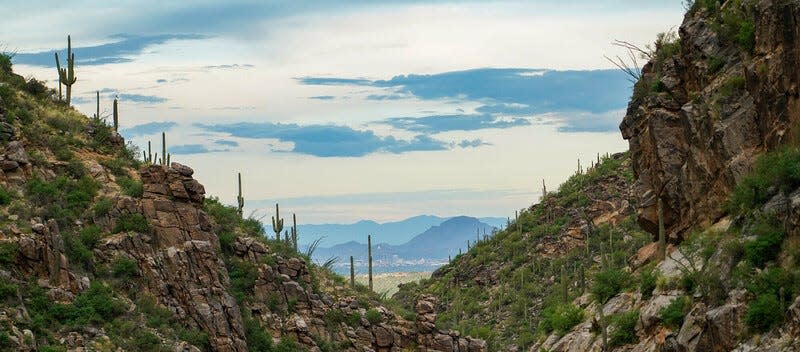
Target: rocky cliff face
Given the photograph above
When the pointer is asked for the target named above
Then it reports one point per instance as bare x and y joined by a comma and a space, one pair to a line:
705, 110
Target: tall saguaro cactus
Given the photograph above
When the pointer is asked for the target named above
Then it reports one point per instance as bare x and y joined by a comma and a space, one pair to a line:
352, 273
66, 76
277, 223
164, 156
369, 254
97, 114
116, 113
294, 231
239, 198
544, 189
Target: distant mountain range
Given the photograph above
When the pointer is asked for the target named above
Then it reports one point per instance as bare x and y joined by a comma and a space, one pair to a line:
392, 233
423, 252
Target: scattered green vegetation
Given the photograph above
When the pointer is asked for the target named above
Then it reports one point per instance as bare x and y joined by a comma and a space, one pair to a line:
648, 277
764, 313
773, 172
609, 282
623, 329
373, 316
560, 318
131, 222
130, 187
124, 268
672, 315
8, 253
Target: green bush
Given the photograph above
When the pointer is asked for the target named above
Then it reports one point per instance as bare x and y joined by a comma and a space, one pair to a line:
93, 306
771, 280
608, 283
143, 340
672, 315
124, 268
243, 277
8, 253
102, 206
131, 222
764, 313
5, 63
624, 331
715, 64
373, 316
560, 318
8, 290
90, 235
63, 199
5, 196
77, 252
197, 338
773, 172
647, 282
258, 340
131, 187
767, 245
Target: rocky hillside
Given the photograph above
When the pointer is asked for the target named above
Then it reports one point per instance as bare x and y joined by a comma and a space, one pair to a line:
101, 252
714, 133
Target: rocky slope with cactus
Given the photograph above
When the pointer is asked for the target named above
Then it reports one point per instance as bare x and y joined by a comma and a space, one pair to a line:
102, 252
714, 134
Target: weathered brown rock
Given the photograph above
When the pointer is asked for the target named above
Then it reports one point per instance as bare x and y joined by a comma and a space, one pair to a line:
690, 145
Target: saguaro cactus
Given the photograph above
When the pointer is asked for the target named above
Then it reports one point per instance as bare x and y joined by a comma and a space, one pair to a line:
294, 231
352, 273
164, 156
662, 241
97, 114
277, 223
116, 113
239, 198
369, 254
544, 189
66, 76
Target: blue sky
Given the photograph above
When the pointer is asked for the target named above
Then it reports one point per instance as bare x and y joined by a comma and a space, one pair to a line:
354, 110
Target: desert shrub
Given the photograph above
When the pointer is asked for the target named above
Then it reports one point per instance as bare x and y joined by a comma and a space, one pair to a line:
131, 222
608, 283
771, 281
8, 253
764, 313
77, 252
624, 328
197, 338
773, 172
93, 306
102, 206
767, 244
672, 315
8, 290
143, 340
258, 340
560, 318
647, 282
130, 187
5, 196
5, 63
243, 277
124, 268
373, 316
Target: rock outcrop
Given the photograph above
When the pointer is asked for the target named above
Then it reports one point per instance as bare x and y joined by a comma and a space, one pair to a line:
178, 257
719, 105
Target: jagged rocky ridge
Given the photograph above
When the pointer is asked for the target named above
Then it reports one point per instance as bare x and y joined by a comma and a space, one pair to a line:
101, 252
